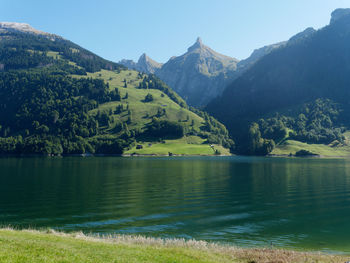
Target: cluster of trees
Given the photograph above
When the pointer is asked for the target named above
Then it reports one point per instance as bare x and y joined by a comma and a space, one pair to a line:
214, 131
148, 97
319, 122
16, 58
164, 129
254, 143
57, 145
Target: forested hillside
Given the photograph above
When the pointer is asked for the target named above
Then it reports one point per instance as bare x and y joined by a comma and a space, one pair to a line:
58, 98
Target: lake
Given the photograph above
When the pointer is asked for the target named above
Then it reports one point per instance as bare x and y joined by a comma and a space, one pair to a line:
245, 201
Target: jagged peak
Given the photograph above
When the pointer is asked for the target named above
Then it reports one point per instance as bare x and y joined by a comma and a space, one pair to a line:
144, 57
198, 44
339, 13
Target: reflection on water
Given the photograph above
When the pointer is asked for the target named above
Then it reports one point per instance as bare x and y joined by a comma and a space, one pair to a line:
299, 203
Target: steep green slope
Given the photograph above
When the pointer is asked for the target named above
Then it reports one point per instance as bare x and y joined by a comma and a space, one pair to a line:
307, 72
58, 98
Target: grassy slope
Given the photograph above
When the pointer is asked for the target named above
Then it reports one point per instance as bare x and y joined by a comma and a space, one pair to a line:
291, 146
140, 109
34, 247
188, 145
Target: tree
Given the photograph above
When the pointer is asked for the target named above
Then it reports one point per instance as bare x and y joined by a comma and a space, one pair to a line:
148, 98
257, 145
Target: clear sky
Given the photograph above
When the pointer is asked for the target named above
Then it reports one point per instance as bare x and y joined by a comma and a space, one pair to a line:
164, 28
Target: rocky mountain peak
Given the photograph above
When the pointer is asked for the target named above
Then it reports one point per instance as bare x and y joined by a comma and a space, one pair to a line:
144, 58
14, 26
339, 13
144, 64
197, 45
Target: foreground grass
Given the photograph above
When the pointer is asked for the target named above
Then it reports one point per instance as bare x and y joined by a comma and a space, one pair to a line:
53, 247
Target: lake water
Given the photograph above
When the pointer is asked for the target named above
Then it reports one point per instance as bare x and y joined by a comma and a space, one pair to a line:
293, 203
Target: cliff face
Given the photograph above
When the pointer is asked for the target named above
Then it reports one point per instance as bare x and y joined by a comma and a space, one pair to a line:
199, 75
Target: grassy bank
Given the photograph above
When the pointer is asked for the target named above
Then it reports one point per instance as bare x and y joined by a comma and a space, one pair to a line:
291, 147
53, 247
335, 149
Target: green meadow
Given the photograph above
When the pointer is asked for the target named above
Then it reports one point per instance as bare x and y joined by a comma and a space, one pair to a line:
191, 145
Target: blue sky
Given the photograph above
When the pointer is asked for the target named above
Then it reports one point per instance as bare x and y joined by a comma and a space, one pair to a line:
164, 28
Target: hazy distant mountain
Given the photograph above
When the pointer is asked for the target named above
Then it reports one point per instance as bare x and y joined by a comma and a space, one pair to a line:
312, 65
255, 56
145, 64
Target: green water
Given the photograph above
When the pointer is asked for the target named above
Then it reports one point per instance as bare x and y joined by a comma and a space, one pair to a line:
293, 203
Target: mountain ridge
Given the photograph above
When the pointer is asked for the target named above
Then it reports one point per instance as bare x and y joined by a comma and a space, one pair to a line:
22, 27
274, 98
202, 79
197, 75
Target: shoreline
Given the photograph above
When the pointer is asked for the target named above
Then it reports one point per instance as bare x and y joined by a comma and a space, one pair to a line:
26, 244
309, 156
114, 155
316, 156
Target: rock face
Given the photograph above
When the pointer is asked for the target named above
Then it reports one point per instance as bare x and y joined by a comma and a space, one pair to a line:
148, 65
339, 13
198, 75
144, 64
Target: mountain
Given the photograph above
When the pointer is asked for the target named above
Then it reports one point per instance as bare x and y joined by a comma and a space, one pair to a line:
20, 27
59, 98
257, 54
145, 64
298, 91
201, 74
198, 75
